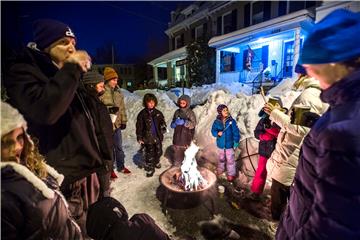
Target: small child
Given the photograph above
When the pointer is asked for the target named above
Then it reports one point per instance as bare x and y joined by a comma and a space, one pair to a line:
183, 122
267, 133
150, 127
227, 136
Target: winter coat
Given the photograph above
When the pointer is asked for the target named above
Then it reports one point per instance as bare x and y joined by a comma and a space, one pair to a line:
231, 133
108, 219
143, 126
267, 133
56, 113
324, 201
114, 98
32, 208
282, 164
184, 134
103, 128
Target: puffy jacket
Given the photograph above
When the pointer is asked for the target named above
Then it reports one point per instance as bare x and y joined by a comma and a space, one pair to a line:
143, 125
32, 208
267, 133
184, 134
231, 133
114, 98
54, 108
325, 197
282, 164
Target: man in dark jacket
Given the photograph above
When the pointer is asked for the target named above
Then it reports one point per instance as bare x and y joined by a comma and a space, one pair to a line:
43, 84
324, 201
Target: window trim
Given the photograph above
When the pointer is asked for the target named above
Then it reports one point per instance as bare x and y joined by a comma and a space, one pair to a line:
222, 21
196, 31
176, 40
251, 12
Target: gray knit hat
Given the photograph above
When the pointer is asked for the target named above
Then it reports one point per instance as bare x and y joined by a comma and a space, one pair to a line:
10, 119
92, 77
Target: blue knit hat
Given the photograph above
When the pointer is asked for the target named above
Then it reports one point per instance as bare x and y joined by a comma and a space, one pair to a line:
333, 39
47, 31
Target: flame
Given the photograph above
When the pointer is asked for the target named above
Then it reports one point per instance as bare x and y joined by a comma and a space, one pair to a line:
190, 174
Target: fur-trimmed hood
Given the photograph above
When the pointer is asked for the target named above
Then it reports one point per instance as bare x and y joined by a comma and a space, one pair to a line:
34, 180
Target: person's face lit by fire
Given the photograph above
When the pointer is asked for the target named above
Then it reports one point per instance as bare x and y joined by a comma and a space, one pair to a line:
150, 104
182, 103
225, 113
12, 145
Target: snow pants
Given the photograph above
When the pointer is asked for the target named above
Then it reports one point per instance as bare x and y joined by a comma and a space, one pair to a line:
226, 157
119, 155
259, 180
153, 153
179, 154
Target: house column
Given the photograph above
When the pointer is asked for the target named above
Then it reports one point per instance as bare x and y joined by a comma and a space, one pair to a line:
296, 48
218, 59
155, 73
169, 73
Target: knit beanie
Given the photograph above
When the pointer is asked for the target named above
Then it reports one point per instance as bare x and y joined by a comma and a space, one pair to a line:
92, 77
109, 73
333, 39
47, 31
10, 119
220, 108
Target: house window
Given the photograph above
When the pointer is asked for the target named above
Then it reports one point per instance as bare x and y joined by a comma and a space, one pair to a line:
179, 41
257, 12
129, 70
199, 32
227, 23
121, 70
227, 62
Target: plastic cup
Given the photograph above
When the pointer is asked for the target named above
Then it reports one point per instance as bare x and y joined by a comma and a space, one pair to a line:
113, 117
221, 190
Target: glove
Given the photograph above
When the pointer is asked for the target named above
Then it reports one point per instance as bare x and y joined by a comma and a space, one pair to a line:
179, 121
236, 145
173, 124
122, 126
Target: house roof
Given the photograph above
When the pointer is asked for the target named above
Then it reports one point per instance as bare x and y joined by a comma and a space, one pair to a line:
177, 53
303, 19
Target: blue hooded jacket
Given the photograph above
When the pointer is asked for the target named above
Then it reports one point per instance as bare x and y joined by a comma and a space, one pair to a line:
230, 136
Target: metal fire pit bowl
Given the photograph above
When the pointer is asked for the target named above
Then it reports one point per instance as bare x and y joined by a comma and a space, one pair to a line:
179, 198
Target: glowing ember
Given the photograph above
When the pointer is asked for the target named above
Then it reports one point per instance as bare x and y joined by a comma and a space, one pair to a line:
190, 175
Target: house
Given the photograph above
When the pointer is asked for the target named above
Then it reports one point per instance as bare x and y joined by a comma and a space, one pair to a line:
256, 42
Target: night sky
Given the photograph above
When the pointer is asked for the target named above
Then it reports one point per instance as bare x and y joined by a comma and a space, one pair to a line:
136, 29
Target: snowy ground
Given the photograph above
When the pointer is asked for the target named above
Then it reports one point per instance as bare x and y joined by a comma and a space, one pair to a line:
138, 193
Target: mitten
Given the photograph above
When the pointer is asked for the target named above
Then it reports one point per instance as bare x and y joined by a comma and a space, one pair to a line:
180, 121
236, 144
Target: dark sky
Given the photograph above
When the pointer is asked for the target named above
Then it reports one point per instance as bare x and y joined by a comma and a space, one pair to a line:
135, 28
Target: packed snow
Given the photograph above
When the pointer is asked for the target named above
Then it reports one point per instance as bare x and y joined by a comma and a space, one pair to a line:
137, 192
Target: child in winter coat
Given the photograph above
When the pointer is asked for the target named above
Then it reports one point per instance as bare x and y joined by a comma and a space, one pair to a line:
183, 122
32, 206
267, 132
150, 127
227, 136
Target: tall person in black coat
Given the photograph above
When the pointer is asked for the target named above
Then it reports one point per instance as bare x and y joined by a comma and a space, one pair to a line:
44, 85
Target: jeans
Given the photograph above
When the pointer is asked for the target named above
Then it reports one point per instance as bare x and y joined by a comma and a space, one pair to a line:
119, 155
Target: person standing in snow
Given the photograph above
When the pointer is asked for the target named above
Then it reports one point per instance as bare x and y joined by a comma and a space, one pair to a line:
114, 101
184, 122
227, 136
94, 84
282, 164
324, 201
32, 206
150, 129
267, 132
43, 84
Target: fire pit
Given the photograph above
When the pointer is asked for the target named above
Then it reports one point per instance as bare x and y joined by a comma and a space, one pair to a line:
187, 199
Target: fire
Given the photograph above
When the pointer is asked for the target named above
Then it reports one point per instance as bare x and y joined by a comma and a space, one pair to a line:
190, 175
